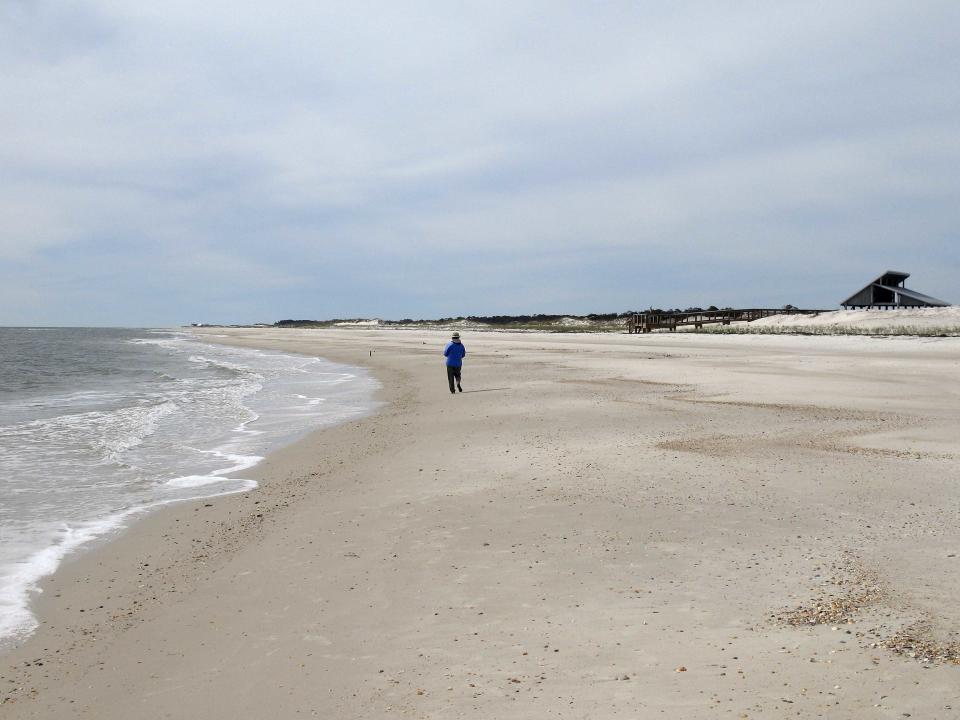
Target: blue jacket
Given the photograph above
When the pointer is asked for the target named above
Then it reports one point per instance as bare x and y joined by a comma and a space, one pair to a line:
454, 353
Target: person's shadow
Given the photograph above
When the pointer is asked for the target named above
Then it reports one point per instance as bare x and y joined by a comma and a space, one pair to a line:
464, 392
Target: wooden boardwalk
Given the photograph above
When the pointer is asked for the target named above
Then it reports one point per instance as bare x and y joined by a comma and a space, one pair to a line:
648, 321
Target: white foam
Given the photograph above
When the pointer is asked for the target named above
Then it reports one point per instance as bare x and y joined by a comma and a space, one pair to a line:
240, 462
195, 481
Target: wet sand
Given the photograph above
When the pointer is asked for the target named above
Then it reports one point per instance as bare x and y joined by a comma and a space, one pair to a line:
600, 526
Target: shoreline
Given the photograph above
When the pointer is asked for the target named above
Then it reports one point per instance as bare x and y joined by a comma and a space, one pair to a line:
202, 483
458, 541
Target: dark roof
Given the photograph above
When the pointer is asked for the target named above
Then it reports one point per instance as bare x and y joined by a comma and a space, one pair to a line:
895, 276
917, 296
891, 277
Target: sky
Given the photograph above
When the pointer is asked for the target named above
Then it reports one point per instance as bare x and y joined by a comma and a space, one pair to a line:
177, 162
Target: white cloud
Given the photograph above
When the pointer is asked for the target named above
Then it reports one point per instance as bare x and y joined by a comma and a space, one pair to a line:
361, 132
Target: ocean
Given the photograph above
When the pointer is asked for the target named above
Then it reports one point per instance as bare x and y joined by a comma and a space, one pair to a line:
100, 425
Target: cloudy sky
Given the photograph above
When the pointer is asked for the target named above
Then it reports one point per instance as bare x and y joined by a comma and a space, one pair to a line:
178, 161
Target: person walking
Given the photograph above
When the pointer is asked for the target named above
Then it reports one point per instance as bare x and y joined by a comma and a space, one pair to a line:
454, 352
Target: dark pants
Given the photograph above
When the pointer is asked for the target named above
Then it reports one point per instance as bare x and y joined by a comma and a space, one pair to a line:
453, 373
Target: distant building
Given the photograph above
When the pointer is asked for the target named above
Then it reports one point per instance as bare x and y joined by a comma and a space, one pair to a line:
887, 291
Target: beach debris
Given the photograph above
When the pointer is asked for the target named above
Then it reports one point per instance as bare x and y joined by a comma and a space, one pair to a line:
681, 668
854, 588
830, 611
917, 641
857, 590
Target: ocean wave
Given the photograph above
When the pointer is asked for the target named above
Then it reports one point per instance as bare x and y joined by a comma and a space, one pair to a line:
130, 427
225, 365
107, 433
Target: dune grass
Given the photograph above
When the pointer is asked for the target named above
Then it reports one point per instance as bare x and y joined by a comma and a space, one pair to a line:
885, 331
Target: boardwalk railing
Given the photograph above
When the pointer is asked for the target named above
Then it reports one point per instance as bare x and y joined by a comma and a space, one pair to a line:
645, 322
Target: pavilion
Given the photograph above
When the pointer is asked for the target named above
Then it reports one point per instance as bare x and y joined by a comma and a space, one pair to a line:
888, 292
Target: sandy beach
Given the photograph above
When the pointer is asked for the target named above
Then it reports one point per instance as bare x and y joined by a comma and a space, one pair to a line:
600, 526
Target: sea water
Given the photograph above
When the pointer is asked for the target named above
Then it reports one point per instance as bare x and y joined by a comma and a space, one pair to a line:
100, 425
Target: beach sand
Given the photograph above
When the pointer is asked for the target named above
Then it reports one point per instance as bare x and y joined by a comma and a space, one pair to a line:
601, 526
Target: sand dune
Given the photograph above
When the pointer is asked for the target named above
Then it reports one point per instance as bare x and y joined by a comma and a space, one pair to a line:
943, 319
